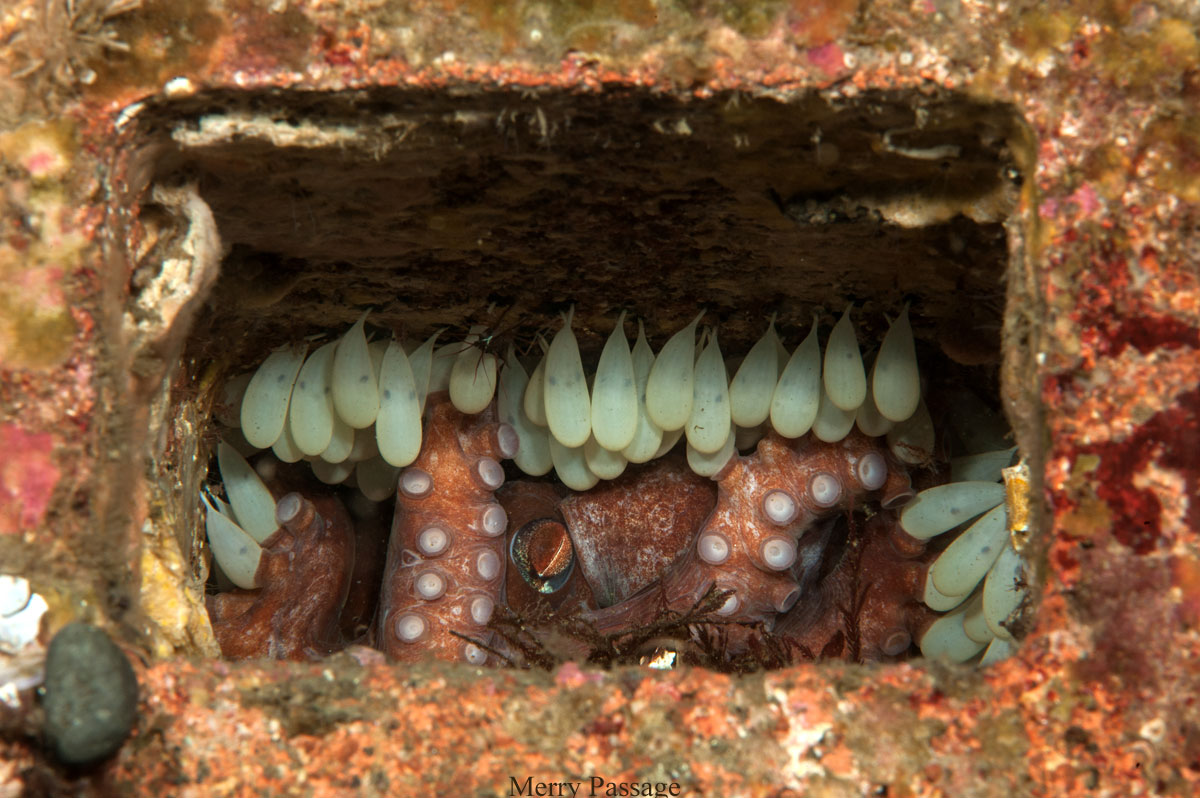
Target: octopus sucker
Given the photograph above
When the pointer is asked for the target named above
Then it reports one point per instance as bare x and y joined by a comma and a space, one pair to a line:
802, 504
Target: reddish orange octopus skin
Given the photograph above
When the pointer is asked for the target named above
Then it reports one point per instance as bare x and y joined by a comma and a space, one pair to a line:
446, 559
756, 542
869, 607
305, 576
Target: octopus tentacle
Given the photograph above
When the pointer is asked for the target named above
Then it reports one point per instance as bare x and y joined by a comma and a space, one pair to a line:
305, 576
445, 564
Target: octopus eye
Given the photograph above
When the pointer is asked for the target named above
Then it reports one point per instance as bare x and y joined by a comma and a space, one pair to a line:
481, 608
416, 484
713, 549
872, 471
778, 553
487, 565
473, 654
494, 521
433, 541
825, 490
430, 585
779, 506
542, 553
490, 473
411, 627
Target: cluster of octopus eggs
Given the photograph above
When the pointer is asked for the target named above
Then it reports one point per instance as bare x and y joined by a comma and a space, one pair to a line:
353, 409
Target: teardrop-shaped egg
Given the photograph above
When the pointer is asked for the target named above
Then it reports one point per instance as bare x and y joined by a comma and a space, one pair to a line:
615, 395
669, 439
341, 443
604, 463
535, 391
912, 440
333, 473
444, 358
473, 380
753, 386
533, 453
568, 406
845, 379
999, 649
895, 380
832, 424
946, 640
708, 464
967, 560
235, 551
797, 397
984, 467
265, 404
648, 435
311, 414
398, 425
709, 426
869, 421
974, 624
376, 478
570, 465
1003, 591
285, 447
672, 378
937, 601
377, 349
355, 388
253, 506
421, 363
944, 507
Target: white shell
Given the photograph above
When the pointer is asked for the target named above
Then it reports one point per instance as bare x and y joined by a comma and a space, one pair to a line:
708, 428
376, 478
938, 509
310, 416
966, 561
984, 467
355, 388
936, 601
708, 464
669, 386
533, 454
648, 435
568, 406
615, 394
1001, 595
235, 551
832, 423
895, 379
912, 440
421, 363
473, 380
845, 379
398, 425
571, 466
946, 640
753, 385
265, 404
798, 394
253, 506
604, 463
535, 392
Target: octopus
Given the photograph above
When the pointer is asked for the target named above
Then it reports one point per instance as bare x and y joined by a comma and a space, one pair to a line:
793, 548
